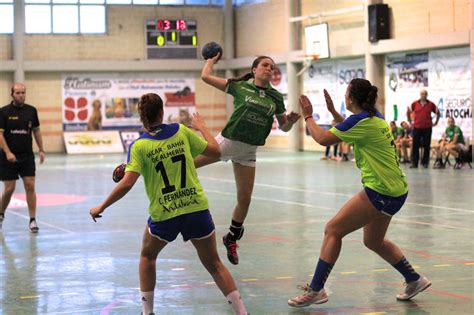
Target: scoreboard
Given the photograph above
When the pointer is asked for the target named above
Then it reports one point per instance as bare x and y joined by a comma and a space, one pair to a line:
171, 39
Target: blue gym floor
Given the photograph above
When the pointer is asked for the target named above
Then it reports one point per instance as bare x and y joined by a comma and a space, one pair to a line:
76, 266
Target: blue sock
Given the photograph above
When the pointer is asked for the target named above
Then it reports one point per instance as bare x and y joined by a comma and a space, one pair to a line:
321, 274
404, 267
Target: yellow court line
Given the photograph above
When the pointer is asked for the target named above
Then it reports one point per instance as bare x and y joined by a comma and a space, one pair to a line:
442, 265
211, 282
29, 297
470, 263
373, 313
380, 270
347, 272
249, 280
281, 278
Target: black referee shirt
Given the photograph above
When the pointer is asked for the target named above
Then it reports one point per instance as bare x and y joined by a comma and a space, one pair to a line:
17, 123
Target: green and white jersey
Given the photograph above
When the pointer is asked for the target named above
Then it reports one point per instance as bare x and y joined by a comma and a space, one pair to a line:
165, 159
375, 152
254, 110
452, 131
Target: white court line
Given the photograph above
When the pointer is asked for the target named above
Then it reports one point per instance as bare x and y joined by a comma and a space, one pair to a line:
41, 222
336, 194
312, 206
434, 224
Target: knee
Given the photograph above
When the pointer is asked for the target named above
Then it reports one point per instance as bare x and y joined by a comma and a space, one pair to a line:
244, 201
9, 189
373, 245
147, 257
30, 188
332, 230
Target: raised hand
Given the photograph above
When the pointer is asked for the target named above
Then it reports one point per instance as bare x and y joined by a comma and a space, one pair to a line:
329, 102
306, 106
198, 122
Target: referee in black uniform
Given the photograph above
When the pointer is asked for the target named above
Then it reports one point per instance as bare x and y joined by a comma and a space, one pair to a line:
18, 121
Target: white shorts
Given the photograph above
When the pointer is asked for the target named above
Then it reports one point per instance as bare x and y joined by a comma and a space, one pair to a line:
236, 151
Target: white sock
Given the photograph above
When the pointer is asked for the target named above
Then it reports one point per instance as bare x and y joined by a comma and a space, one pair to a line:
147, 301
235, 300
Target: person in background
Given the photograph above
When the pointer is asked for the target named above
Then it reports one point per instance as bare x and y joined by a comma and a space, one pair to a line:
422, 127
19, 123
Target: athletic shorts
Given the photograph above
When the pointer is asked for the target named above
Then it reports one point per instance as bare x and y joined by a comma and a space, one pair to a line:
192, 226
388, 205
236, 151
24, 166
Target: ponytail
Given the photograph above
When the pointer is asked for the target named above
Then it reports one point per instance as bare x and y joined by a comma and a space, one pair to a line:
150, 109
364, 94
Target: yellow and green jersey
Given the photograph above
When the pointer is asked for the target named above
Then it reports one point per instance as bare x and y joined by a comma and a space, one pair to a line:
375, 152
164, 157
254, 110
452, 131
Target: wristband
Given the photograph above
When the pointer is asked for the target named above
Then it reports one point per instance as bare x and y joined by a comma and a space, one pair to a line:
307, 117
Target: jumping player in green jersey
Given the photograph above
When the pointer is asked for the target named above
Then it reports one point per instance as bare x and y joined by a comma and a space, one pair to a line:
164, 156
256, 104
385, 190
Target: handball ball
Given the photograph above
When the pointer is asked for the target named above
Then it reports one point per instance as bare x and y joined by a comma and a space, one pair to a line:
211, 49
119, 172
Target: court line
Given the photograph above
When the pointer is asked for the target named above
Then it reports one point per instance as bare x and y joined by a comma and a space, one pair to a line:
40, 222
319, 207
333, 194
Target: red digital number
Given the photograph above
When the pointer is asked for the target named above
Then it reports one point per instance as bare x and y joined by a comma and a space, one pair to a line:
163, 25
181, 25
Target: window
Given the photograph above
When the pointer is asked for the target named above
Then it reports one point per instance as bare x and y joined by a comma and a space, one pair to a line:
6, 17
65, 16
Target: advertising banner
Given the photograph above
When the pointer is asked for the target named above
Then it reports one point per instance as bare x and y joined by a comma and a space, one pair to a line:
109, 101
82, 142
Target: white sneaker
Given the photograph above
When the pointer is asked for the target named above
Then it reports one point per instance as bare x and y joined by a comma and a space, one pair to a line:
413, 288
33, 227
309, 297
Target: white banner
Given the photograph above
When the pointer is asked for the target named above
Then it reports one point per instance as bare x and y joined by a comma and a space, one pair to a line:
334, 76
114, 98
450, 88
444, 73
81, 142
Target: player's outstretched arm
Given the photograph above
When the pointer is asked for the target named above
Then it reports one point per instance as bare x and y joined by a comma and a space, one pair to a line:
208, 76
120, 190
285, 121
212, 149
330, 105
321, 136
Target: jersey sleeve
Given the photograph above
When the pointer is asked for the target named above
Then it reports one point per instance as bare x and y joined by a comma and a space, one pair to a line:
197, 144
35, 122
348, 131
134, 160
280, 105
232, 87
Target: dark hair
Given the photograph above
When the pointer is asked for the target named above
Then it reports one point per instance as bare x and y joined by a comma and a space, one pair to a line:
150, 109
249, 75
364, 94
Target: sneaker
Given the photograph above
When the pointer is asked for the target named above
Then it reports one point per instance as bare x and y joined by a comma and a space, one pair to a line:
2, 217
231, 250
33, 227
309, 297
413, 288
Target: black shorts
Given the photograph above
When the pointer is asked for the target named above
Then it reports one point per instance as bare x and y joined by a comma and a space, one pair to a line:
24, 166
